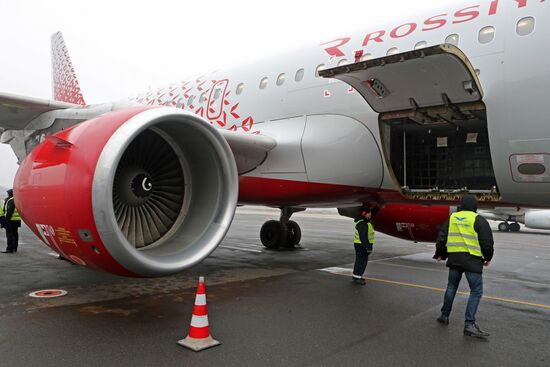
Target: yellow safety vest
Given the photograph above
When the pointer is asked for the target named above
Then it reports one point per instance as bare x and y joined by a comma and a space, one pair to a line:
462, 236
15, 215
357, 238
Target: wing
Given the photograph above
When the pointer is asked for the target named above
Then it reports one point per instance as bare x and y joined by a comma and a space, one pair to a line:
17, 111
249, 150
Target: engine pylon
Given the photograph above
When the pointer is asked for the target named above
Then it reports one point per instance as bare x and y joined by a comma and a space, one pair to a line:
199, 337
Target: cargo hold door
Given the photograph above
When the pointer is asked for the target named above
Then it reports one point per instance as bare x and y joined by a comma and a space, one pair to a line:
433, 123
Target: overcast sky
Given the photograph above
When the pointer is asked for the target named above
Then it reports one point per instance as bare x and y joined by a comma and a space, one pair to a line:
121, 47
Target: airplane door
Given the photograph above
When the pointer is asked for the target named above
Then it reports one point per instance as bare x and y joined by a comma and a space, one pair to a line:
433, 123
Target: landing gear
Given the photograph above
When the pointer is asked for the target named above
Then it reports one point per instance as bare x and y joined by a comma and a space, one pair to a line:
294, 234
512, 227
503, 227
283, 232
273, 234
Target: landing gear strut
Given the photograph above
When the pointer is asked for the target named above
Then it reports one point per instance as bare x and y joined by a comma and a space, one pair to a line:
283, 232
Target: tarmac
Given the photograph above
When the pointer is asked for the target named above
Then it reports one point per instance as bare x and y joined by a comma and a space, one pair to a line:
279, 307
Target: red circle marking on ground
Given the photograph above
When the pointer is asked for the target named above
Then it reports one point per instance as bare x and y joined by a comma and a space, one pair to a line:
48, 293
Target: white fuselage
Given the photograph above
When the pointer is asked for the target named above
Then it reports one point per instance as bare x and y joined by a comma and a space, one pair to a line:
328, 134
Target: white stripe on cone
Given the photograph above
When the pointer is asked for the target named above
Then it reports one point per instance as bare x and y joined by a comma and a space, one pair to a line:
199, 321
200, 300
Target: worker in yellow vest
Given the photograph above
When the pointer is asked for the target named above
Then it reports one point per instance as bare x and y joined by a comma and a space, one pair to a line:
11, 221
466, 241
363, 242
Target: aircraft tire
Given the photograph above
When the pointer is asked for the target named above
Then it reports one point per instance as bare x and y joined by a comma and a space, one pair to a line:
273, 234
294, 234
503, 227
515, 227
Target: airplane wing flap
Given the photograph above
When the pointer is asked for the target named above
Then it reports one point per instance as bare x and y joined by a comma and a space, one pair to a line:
249, 150
17, 111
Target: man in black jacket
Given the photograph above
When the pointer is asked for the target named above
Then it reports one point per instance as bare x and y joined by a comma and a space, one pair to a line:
11, 222
363, 242
466, 241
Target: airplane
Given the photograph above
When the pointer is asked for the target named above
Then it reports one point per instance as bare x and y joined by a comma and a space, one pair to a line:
411, 116
531, 218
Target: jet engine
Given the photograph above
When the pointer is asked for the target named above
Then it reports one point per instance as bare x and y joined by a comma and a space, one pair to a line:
136, 192
538, 219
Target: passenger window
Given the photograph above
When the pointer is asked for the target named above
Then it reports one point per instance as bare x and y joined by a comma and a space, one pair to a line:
343, 62
318, 69
366, 57
263, 83
486, 34
202, 97
525, 26
421, 44
299, 75
191, 100
392, 51
240, 88
281, 79
452, 39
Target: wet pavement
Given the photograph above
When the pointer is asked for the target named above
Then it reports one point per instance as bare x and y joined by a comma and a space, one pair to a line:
272, 308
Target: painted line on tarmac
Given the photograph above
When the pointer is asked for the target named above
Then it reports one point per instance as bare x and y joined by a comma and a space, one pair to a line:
487, 276
241, 248
348, 272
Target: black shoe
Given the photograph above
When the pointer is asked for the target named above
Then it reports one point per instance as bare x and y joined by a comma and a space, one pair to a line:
474, 330
7, 252
359, 281
443, 320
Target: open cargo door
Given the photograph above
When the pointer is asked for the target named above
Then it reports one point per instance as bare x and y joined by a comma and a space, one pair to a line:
433, 123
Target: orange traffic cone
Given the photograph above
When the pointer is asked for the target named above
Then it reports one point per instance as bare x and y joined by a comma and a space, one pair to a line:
199, 337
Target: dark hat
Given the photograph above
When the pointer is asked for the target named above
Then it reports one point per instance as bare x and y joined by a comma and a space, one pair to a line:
365, 210
469, 203
10, 192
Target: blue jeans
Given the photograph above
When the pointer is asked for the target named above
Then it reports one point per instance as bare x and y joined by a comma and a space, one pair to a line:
475, 281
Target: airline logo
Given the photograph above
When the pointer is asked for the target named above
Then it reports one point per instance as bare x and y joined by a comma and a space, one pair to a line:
334, 47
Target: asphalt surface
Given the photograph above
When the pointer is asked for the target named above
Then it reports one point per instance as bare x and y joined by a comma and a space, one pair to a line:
272, 308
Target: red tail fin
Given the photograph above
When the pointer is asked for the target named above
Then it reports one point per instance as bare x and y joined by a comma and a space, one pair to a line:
64, 82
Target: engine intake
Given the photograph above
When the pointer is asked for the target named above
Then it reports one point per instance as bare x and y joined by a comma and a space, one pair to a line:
146, 191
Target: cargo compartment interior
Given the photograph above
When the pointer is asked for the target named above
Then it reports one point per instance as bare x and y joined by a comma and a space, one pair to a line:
442, 149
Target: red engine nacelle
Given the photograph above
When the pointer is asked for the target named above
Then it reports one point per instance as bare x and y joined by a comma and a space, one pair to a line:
412, 222
135, 192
